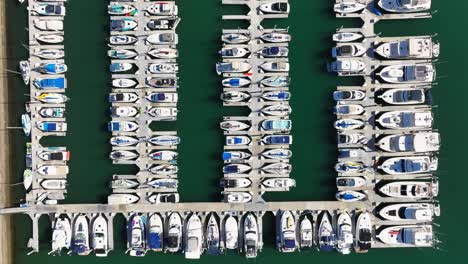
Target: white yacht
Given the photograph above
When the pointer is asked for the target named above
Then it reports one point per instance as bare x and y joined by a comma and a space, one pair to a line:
287, 236
409, 165
348, 66
349, 95
276, 37
233, 52
277, 168
404, 96
347, 36
306, 233
232, 125
81, 236
348, 124
212, 236
363, 232
61, 235
275, 8
348, 109
231, 232
350, 182
415, 142
275, 66
411, 119
194, 238
279, 183
237, 197
326, 236
411, 189
99, 239
250, 236
173, 238
405, 6
234, 38
136, 242
155, 232
348, 50
344, 233
54, 184
410, 211
409, 73
348, 7
277, 110
162, 8
232, 67
409, 48
234, 96
350, 196
122, 198
412, 235
277, 153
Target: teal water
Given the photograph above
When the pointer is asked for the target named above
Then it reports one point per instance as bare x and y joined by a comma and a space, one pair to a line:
311, 25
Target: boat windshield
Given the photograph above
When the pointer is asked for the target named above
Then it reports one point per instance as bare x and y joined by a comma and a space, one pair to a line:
192, 244
172, 241
365, 235
408, 96
283, 7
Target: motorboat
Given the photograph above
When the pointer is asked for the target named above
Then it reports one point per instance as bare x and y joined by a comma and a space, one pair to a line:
275, 8
411, 189
275, 66
122, 126
124, 184
410, 235
279, 153
412, 119
349, 109
351, 153
277, 110
164, 53
237, 140
124, 83
165, 67
44, 9
287, 234
25, 70
234, 96
118, 9
350, 167
123, 24
277, 140
405, 6
415, 142
123, 155
52, 98
350, 196
234, 38
231, 232
236, 168
123, 141
232, 67
99, 240
56, 155
229, 183
410, 48
276, 37
122, 40
277, 168
347, 8
165, 140
164, 169
235, 82
123, 111
194, 238
50, 83
276, 96
250, 235
237, 197
52, 126
122, 198
283, 183
164, 155
155, 233
163, 8
27, 179
348, 50
51, 68
230, 156
136, 242
351, 139
213, 236
120, 67
409, 73
53, 184
49, 38
81, 233
409, 165
162, 97
233, 125
121, 54
276, 81
173, 238
166, 23
347, 36
61, 235
26, 124
409, 211
347, 66
164, 198
403, 96
163, 113
274, 52
163, 38
363, 238
348, 124
350, 182
48, 54
326, 235
161, 82
123, 97
344, 233
306, 233
233, 52
163, 183
48, 25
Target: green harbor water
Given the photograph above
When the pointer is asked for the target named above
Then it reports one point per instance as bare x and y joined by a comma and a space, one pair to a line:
311, 24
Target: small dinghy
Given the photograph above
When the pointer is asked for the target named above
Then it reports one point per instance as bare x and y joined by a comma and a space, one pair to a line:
404, 96
163, 38
415, 119
231, 233
123, 25
348, 124
409, 165
164, 155
120, 67
350, 167
122, 40
51, 68
122, 97
411, 189
276, 37
279, 183
162, 97
212, 236
122, 198
277, 110
26, 124
353, 95
161, 8
123, 141
163, 113
194, 238
165, 140
61, 235
411, 235
274, 52
164, 53
348, 109
50, 83
306, 233
350, 182
231, 156
165, 67
136, 242
410, 211
123, 155
158, 82
326, 235
344, 233
124, 83
277, 168
275, 66
122, 126
48, 25
287, 243
347, 37
173, 239
409, 73
234, 38
123, 111
55, 155
275, 8
48, 54
164, 169
363, 232
48, 9
237, 140
350, 196
25, 70
238, 197
235, 82
118, 9
155, 233
52, 98
121, 54
233, 52
233, 126
276, 81
347, 8
99, 239
49, 38
232, 67
163, 183
163, 23
276, 96
54, 184
124, 184
277, 154
234, 96
80, 245
236, 168
52, 126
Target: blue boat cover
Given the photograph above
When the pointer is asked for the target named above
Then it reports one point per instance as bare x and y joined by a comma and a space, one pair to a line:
234, 82
405, 165
50, 126
289, 243
347, 196
58, 83
227, 156
50, 68
274, 50
230, 169
114, 126
237, 140
326, 248
79, 247
154, 241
